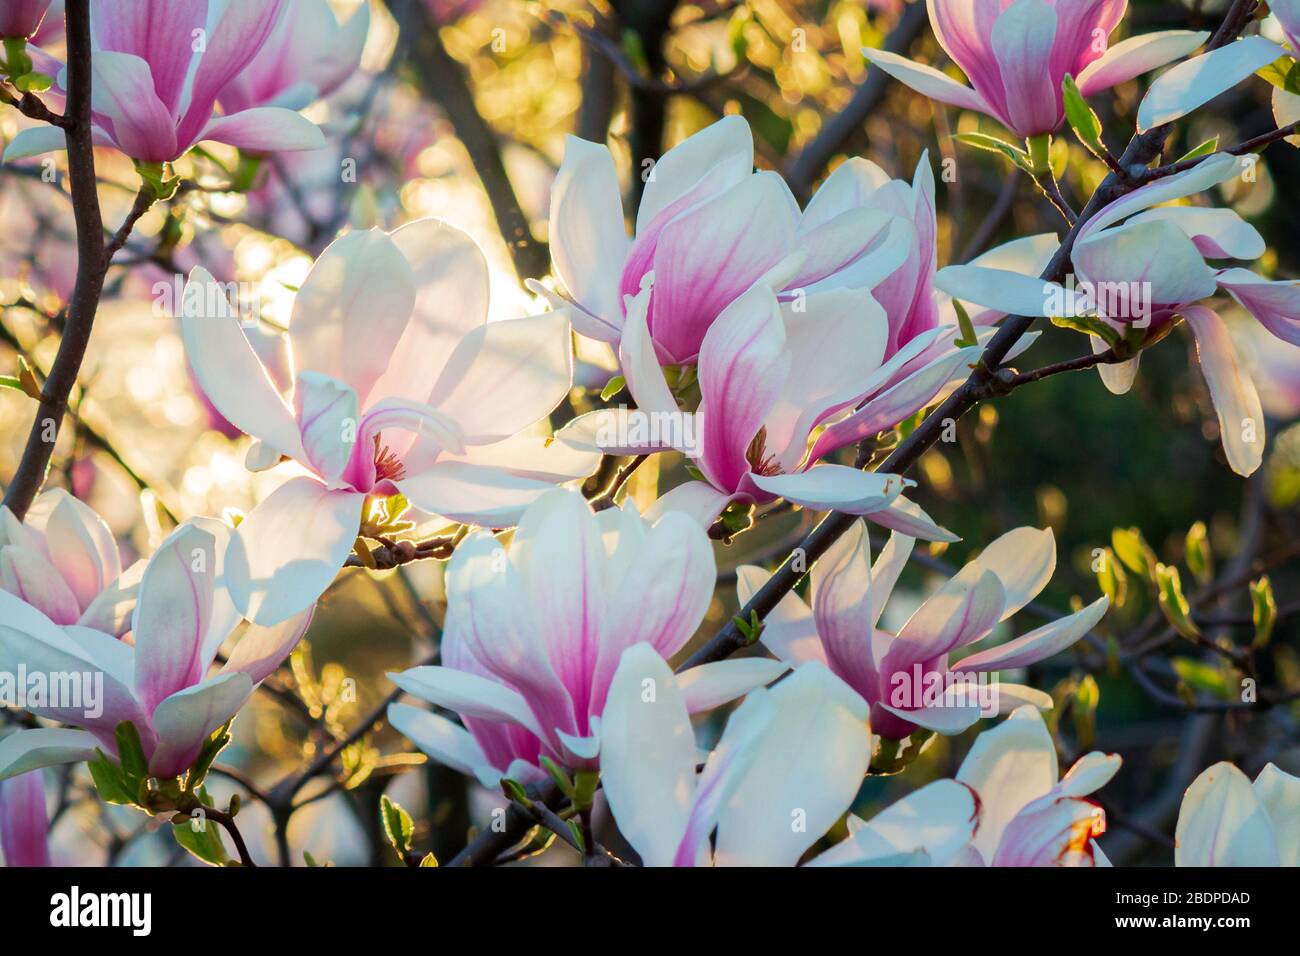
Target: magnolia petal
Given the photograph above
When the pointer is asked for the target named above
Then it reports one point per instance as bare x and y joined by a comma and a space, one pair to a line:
842, 606
35, 141
352, 309
172, 615
1275, 304
28, 750
1218, 233
1200, 79
1038, 644
1023, 560
328, 413
937, 820
1222, 823
260, 650
927, 81
467, 694
728, 144
1241, 416
79, 543
1011, 293
789, 630
1134, 56
1089, 774
711, 685
907, 517
1022, 40
1118, 377
445, 742
186, 719
1279, 795
647, 756
228, 370
533, 355
289, 549
30, 576
698, 499
834, 488
265, 129
589, 242
946, 719
473, 494
807, 766
1009, 767
640, 364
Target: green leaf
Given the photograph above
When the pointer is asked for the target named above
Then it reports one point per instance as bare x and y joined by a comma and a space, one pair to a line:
559, 775
27, 379
1131, 548
1088, 325
967, 327
111, 783
1204, 149
202, 838
613, 387
1201, 675
1172, 602
1283, 73
397, 825
12, 381
212, 747
33, 83
994, 145
584, 788
1263, 611
576, 830
1082, 119
1200, 560
1086, 698
428, 860
135, 767
515, 791
1112, 580
635, 50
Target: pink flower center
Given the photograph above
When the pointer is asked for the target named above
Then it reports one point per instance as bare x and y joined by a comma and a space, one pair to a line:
388, 467
760, 462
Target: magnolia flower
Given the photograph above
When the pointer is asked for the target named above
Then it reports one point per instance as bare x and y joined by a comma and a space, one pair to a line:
160, 67
708, 228
1227, 821
401, 386
905, 678
159, 681
20, 19
308, 55
770, 373
1027, 817
65, 564
1016, 53
534, 634
1148, 271
24, 824
787, 767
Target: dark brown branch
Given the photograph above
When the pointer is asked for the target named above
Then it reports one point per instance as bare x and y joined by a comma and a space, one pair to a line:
443, 80
91, 265
837, 130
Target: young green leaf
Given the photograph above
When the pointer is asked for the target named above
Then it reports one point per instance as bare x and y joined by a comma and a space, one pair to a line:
1082, 119
1263, 611
994, 145
398, 825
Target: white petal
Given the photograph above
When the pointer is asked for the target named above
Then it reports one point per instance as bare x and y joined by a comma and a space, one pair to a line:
187, 718
1241, 416
1279, 794
711, 685
834, 488
1038, 644
1222, 823
789, 631
449, 744
468, 695
289, 549
29, 750
589, 241
1200, 79
647, 758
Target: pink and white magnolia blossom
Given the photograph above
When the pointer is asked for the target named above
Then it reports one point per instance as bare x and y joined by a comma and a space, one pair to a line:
401, 386
20, 19
906, 678
159, 680
1016, 53
708, 228
1140, 265
449, 11
24, 823
770, 374
1225, 820
1029, 817
64, 562
160, 67
308, 55
534, 634
796, 752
